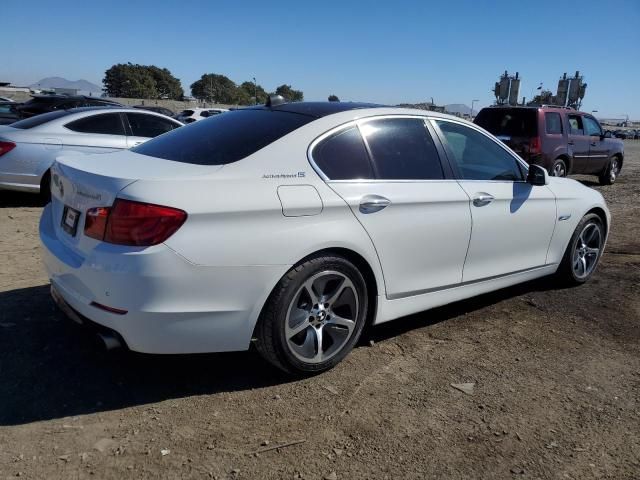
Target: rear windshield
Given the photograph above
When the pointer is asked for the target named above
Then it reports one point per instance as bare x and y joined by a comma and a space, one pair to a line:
39, 119
514, 122
223, 139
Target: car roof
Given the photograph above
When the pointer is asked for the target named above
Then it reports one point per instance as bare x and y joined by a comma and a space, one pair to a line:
317, 109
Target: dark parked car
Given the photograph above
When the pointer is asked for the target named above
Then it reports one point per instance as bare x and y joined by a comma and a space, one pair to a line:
7, 113
562, 140
157, 109
48, 103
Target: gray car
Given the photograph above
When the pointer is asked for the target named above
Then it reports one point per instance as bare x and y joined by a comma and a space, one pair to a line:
29, 147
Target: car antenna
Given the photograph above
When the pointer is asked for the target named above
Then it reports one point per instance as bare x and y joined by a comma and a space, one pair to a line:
275, 100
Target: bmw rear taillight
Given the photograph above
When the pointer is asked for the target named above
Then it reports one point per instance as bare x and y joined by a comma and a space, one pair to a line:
133, 223
534, 146
6, 147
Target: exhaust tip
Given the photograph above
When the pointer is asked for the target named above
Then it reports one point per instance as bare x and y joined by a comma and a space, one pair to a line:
110, 340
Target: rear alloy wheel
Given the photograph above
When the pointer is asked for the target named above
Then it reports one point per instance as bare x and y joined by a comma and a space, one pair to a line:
314, 317
559, 168
611, 172
584, 251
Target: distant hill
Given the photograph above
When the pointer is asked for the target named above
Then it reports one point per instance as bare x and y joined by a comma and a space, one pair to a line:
461, 108
83, 86
457, 108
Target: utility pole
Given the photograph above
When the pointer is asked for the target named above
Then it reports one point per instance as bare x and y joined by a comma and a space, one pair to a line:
255, 91
473, 102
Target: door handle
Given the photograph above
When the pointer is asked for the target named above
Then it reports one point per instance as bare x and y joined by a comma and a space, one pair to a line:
482, 199
373, 203
570, 142
593, 144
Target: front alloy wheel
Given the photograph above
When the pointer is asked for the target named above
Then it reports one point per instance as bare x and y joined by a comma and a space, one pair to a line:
583, 252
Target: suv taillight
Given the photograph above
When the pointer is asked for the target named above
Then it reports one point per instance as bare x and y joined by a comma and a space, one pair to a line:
6, 147
534, 146
133, 223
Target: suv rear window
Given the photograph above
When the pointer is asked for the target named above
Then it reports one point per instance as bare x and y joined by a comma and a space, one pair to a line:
39, 119
225, 138
513, 122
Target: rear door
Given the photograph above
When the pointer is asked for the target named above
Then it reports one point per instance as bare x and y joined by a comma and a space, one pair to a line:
389, 171
598, 150
513, 221
578, 144
97, 133
143, 126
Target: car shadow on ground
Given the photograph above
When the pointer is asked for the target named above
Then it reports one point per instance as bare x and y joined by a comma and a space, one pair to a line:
52, 368
9, 199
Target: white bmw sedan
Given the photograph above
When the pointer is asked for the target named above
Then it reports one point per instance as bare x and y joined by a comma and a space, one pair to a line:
295, 225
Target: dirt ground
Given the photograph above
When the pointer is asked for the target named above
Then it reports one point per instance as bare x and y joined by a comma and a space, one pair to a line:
556, 373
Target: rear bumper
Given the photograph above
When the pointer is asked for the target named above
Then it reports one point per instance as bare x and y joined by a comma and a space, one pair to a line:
172, 306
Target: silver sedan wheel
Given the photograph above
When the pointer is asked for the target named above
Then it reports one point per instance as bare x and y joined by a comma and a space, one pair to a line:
559, 170
613, 170
587, 250
322, 317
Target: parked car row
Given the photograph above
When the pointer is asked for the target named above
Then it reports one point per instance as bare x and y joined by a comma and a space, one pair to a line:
563, 141
29, 147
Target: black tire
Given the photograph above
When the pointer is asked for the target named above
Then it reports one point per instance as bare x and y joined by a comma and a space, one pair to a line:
45, 187
566, 274
271, 341
559, 168
610, 174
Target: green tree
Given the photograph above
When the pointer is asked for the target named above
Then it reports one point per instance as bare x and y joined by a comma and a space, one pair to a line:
289, 93
215, 88
167, 85
127, 80
248, 90
333, 98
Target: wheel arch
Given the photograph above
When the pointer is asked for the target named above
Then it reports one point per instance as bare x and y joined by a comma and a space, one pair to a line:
567, 161
603, 216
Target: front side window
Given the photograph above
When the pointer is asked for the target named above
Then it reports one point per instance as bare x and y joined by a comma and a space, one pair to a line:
343, 156
149, 126
477, 156
553, 122
575, 123
105, 123
402, 149
592, 127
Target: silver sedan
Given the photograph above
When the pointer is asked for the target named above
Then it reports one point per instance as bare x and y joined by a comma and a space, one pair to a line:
29, 147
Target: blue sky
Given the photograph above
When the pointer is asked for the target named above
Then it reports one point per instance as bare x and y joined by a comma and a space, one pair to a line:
386, 52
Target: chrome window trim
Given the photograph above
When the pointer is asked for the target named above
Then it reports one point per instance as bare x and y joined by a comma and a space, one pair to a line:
360, 121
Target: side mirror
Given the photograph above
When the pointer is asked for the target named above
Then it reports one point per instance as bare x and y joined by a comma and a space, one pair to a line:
607, 135
537, 175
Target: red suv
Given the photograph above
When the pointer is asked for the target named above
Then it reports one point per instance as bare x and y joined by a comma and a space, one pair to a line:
562, 140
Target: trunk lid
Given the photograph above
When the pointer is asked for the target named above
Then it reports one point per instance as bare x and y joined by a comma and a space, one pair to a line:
81, 182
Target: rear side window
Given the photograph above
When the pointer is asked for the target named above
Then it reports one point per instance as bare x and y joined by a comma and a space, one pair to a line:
105, 123
512, 122
343, 156
402, 149
224, 138
575, 124
187, 113
553, 122
39, 119
143, 125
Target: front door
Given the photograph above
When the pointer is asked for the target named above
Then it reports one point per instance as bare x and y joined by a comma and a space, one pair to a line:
513, 221
598, 148
578, 144
389, 172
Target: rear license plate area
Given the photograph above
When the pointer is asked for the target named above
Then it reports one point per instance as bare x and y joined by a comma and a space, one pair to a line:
70, 218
